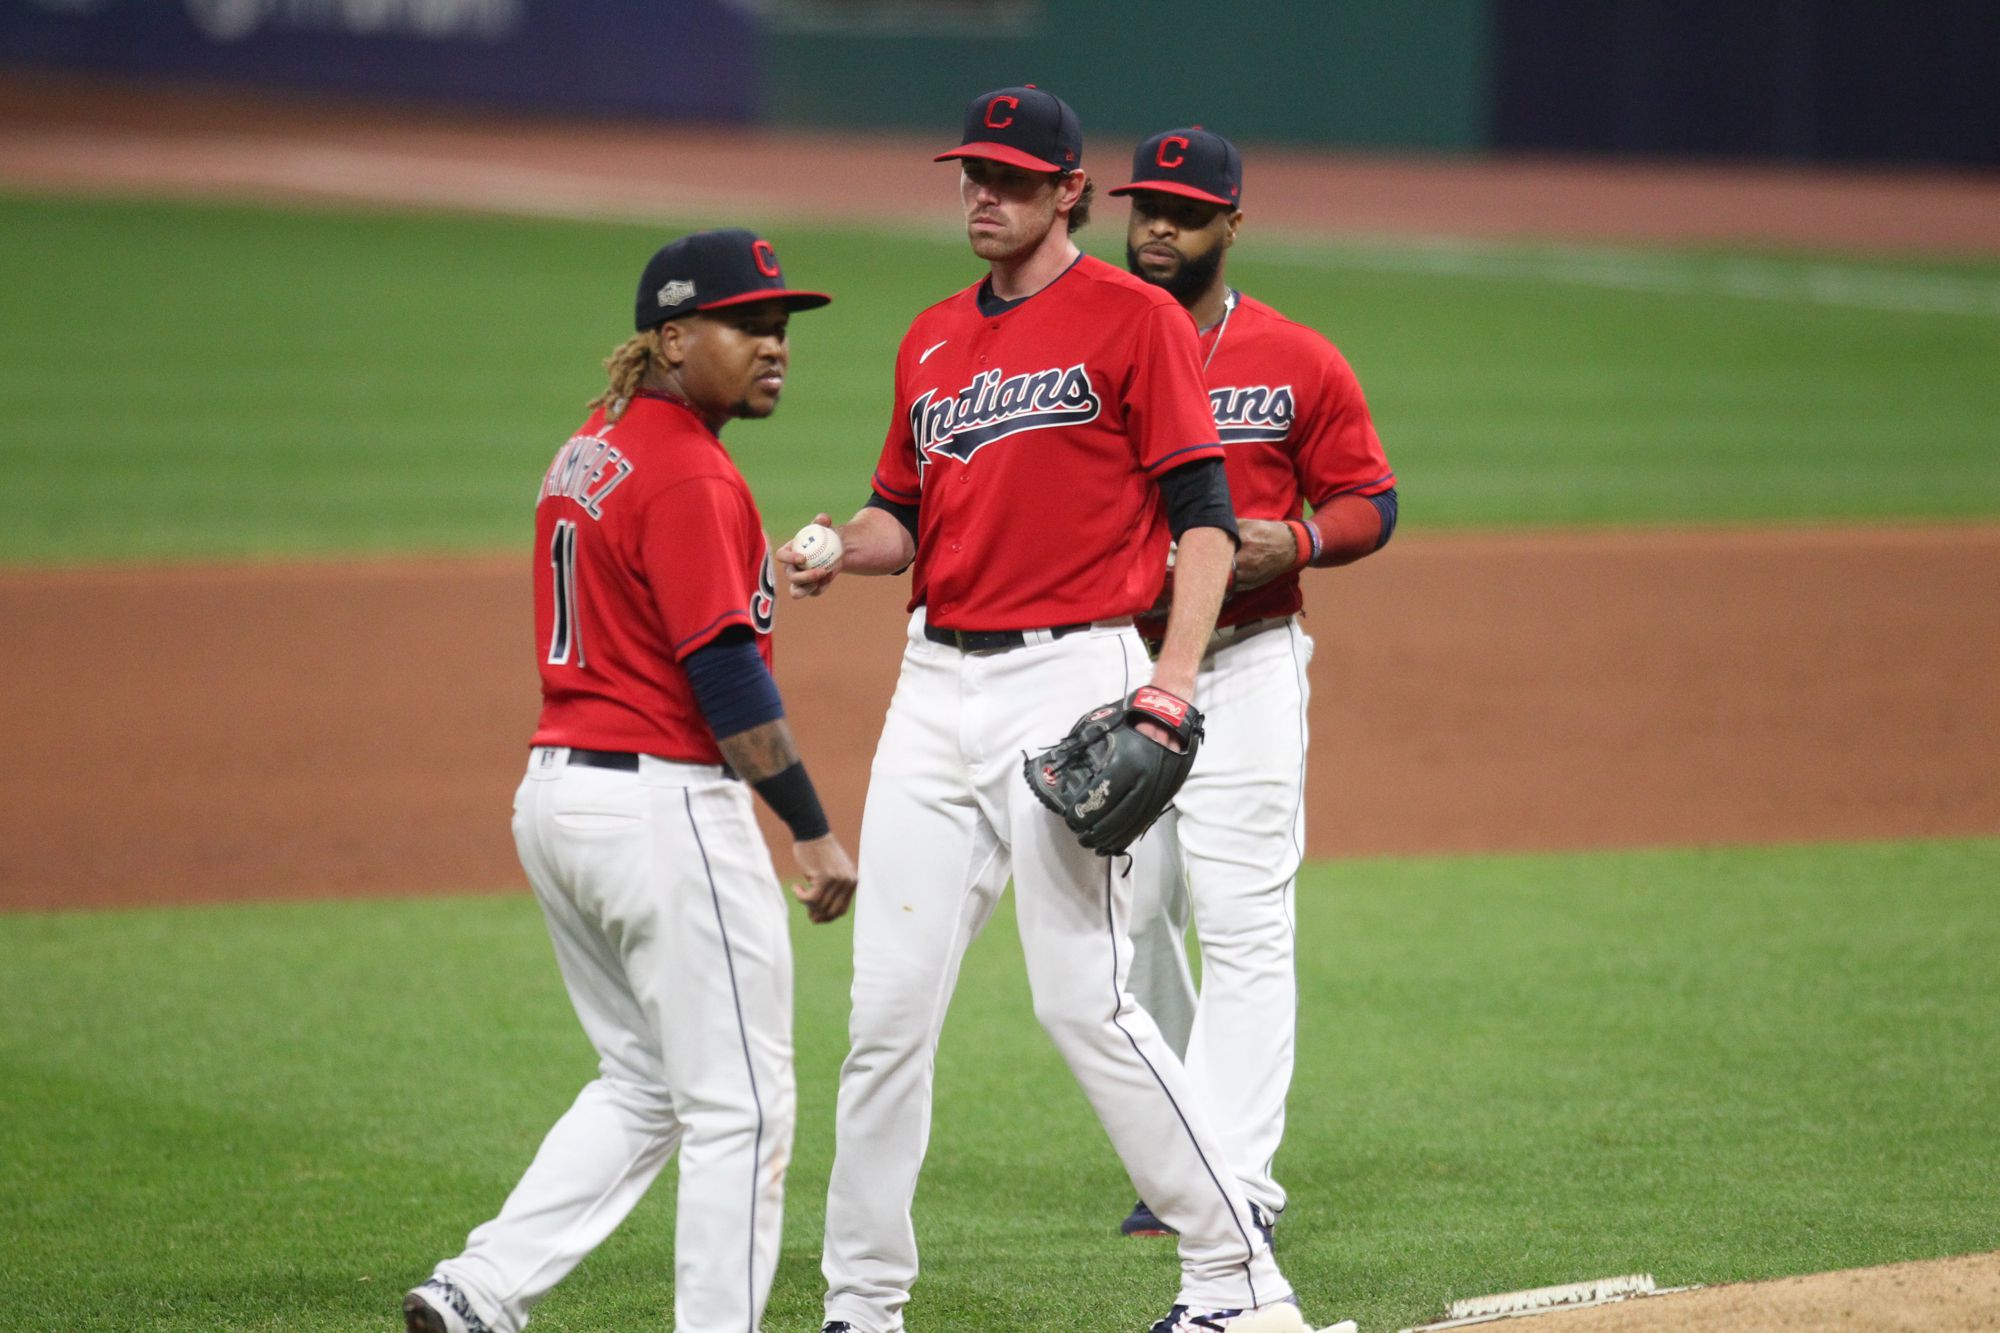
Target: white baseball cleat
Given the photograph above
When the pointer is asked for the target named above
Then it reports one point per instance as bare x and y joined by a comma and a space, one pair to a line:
1281, 1318
439, 1307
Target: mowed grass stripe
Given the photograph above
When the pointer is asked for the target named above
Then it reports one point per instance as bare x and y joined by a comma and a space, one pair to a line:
1917, 287
1708, 1065
199, 380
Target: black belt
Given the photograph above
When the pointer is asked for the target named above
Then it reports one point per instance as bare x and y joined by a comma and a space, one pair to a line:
994, 640
622, 760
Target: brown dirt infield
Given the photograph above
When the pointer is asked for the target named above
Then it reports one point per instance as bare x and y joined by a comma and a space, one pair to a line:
306, 730
258, 732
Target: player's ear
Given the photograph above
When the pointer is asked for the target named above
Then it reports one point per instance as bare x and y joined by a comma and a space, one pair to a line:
1235, 221
673, 344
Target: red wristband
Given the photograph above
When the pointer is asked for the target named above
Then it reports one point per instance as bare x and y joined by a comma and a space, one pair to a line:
1305, 541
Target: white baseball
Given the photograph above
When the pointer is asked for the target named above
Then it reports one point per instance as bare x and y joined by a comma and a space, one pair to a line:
819, 544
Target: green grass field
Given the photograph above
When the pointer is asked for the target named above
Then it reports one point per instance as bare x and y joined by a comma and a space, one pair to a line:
1705, 1065
200, 380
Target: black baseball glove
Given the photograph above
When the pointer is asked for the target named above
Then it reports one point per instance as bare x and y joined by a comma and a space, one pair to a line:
1108, 781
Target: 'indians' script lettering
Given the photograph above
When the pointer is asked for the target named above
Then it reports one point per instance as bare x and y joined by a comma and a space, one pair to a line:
996, 405
1252, 412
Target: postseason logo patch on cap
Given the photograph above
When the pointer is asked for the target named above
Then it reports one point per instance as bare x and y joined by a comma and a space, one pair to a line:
712, 270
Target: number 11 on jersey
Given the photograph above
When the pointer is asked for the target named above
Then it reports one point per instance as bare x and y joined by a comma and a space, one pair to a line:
566, 639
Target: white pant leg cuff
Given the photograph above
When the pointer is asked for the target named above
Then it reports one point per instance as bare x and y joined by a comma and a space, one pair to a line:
484, 1308
857, 1323
1232, 1295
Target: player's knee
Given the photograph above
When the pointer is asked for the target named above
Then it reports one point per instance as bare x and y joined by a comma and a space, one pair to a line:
1071, 1021
1250, 943
880, 1049
780, 1121
891, 1017
713, 1130
647, 1103
727, 1106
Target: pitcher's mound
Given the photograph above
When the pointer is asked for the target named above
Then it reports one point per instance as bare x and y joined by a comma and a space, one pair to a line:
1934, 1295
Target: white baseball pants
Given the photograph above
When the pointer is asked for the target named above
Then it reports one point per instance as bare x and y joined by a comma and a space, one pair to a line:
1231, 847
948, 818
670, 928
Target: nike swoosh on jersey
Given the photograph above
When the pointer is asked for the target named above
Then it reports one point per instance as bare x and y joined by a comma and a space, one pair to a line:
932, 348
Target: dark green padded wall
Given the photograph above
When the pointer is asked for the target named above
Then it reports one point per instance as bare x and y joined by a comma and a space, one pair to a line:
1345, 73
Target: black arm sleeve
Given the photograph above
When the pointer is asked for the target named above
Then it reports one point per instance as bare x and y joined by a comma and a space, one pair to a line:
731, 685
904, 514
791, 797
1197, 496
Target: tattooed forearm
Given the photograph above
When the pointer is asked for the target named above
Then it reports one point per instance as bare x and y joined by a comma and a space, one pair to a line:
761, 752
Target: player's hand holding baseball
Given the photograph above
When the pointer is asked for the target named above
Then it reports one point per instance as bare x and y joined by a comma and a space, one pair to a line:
830, 878
872, 542
812, 558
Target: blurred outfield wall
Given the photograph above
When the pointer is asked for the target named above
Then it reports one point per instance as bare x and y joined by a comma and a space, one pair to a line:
1376, 73
695, 59
1794, 80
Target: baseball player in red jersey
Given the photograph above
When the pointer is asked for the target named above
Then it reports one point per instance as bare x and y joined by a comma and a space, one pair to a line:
654, 595
1050, 436
1296, 431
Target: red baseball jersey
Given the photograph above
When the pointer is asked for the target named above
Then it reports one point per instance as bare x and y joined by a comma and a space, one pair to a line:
647, 546
1295, 428
1031, 441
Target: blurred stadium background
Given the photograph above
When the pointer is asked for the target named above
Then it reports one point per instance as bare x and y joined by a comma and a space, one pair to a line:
1792, 80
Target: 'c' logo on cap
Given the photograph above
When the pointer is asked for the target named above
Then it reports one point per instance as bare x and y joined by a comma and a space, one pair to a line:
1176, 142
766, 257
1013, 104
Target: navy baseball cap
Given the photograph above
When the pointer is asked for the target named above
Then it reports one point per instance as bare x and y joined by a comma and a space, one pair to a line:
1022, 127
1193, 163
710, 270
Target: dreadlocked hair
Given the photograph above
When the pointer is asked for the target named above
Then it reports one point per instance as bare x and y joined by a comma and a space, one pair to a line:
627, 368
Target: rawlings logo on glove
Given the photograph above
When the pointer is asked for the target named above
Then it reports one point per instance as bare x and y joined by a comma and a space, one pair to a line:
1108, 780
1094, 802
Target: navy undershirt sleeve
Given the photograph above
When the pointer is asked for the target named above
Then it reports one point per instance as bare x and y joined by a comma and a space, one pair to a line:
904, 514
1385, 505
732, 686
1197, 496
